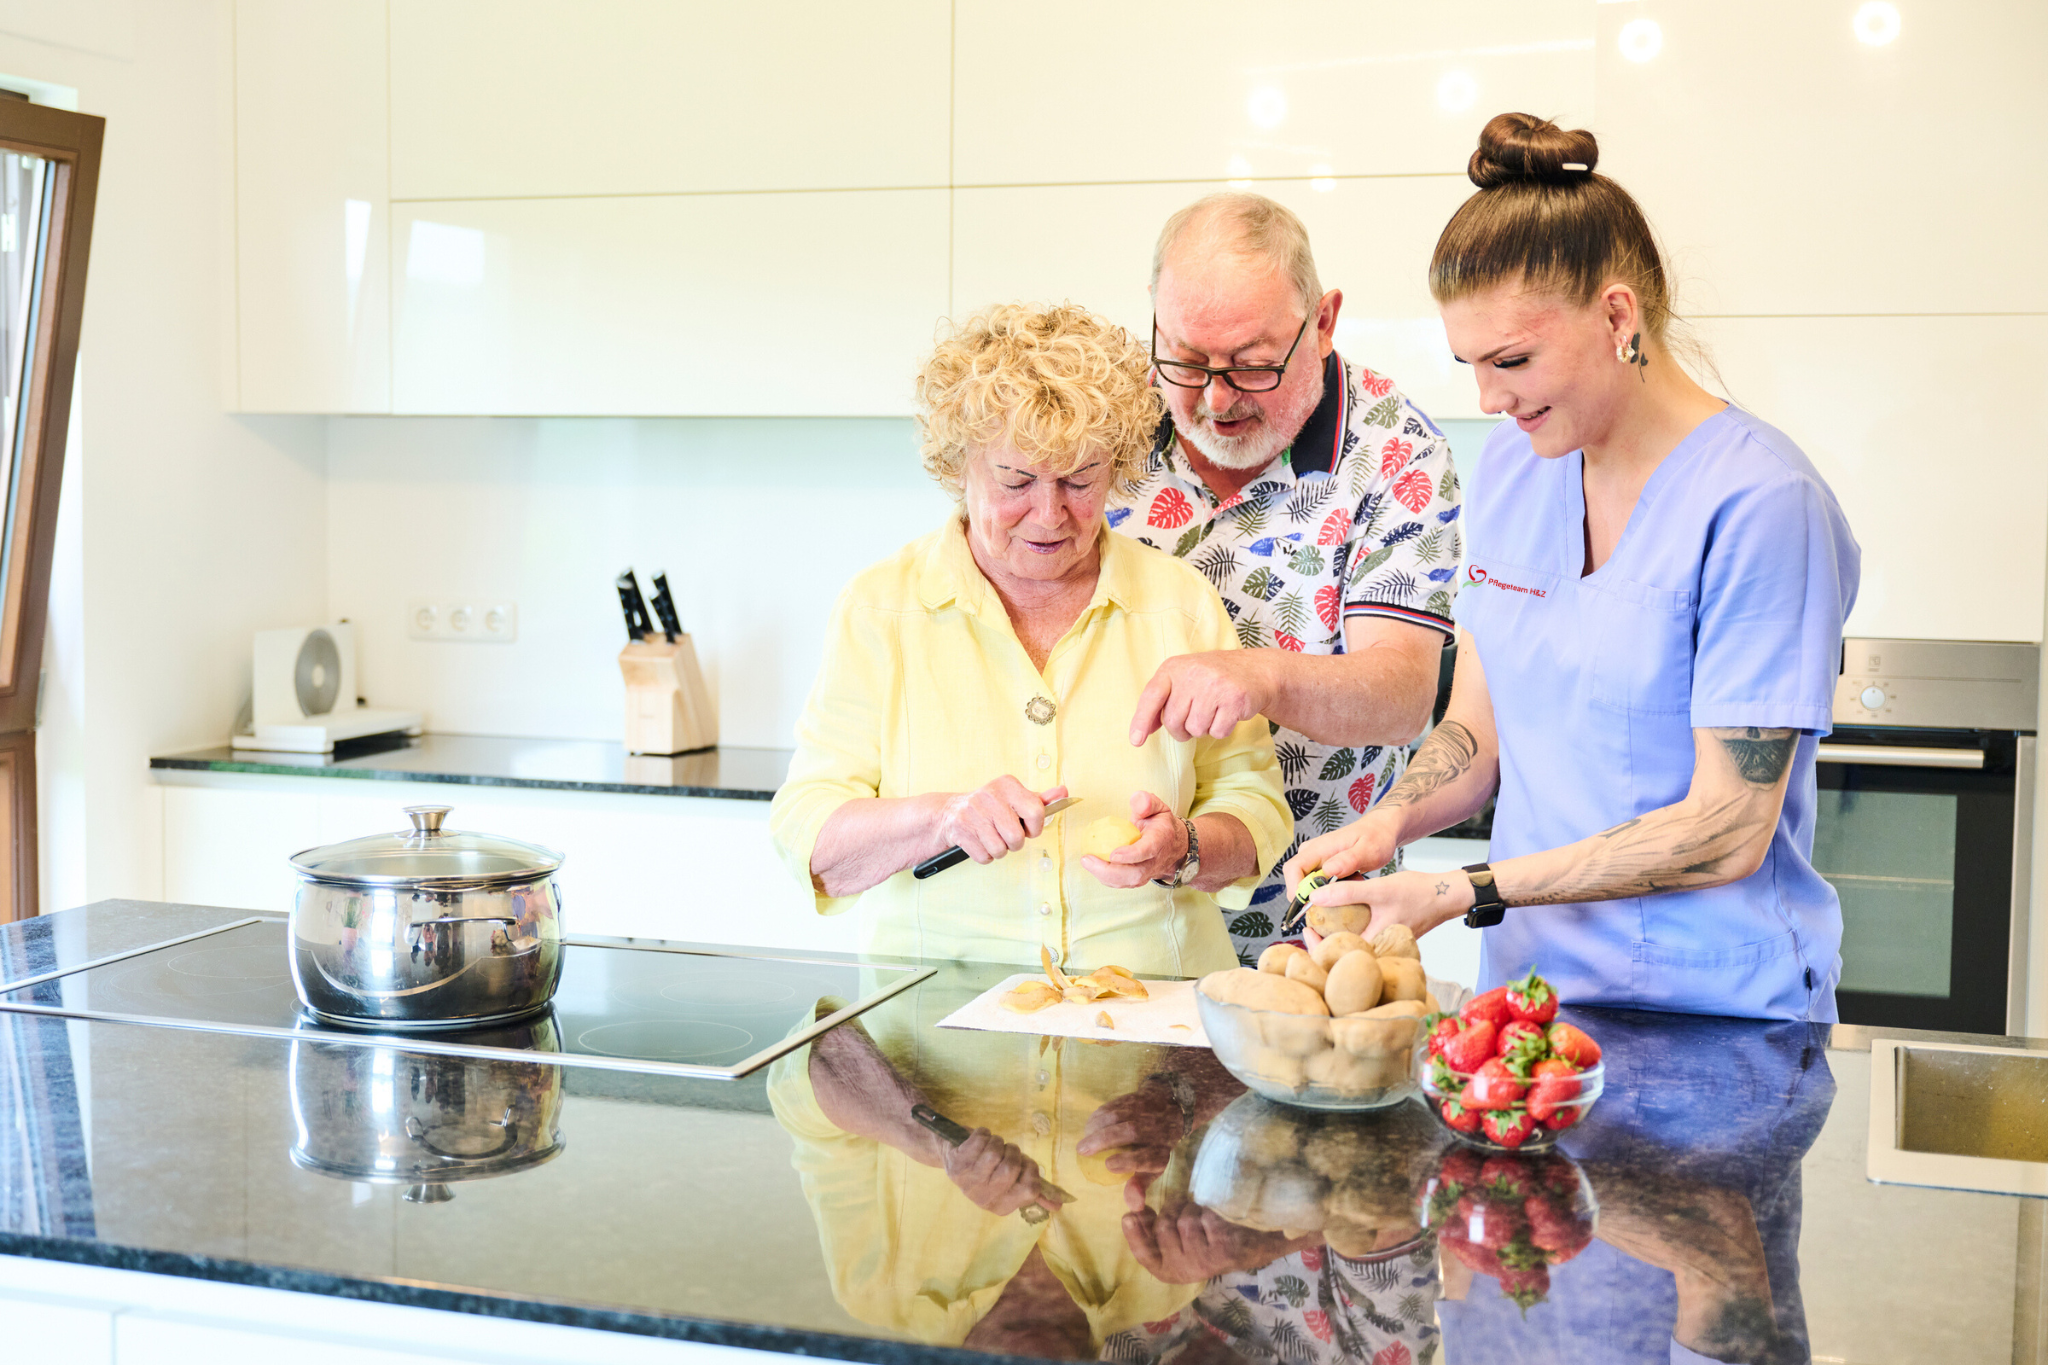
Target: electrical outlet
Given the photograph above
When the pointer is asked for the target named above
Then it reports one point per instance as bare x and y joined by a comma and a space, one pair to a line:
482, 622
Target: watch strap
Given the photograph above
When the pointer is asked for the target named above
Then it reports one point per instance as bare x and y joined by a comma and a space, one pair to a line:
1190, 863
1487, 906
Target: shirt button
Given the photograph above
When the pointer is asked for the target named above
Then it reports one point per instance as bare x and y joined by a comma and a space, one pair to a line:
1044, 1077
1041, 1124
1044, 761
1045, 862
1045, 908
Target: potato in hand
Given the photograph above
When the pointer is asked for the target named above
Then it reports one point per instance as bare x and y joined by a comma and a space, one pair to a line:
1105, 836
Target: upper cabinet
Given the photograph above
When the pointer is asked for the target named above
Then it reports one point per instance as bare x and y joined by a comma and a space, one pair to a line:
506, 99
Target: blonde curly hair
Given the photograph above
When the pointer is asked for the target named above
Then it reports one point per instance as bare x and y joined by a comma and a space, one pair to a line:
1064, 385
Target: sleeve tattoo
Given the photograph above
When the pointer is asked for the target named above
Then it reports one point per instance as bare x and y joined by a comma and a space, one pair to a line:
1444, 757
1761, 756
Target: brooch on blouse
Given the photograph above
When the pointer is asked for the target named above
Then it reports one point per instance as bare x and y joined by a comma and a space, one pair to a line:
1040, 710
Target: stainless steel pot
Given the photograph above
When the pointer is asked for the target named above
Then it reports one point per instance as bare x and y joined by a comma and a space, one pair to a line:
391, 1117
427, 928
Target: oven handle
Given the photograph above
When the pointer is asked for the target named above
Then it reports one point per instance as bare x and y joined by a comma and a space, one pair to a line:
1893, 756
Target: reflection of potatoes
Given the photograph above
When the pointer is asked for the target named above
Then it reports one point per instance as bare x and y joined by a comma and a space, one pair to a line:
1295, 1035
1269, 1140
1354, 984
1401, 978
1105, 836
1372, 1200
1396, 940
1292, 1197
1335, 946
1095, 1169
1262, 991
1301, 967
1339, 919
1277, 956
1335, 1150
1351, 1240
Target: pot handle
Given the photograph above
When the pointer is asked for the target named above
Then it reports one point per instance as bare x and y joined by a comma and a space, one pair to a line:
426, 820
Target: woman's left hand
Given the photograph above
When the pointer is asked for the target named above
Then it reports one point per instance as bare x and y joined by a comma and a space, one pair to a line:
1161, 844
1420, 900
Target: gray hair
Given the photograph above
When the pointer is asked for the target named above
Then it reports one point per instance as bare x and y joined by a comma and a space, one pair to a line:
1251, 225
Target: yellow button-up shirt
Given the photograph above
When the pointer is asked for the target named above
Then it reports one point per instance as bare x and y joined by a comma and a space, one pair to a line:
925, 687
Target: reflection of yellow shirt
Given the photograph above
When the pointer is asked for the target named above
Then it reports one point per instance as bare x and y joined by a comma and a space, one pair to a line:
906, 1250
925, 687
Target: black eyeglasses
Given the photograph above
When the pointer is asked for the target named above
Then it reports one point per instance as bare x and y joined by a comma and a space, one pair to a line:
1243, 378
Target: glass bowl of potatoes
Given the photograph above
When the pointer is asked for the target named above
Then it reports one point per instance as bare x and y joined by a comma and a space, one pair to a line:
1339, 1027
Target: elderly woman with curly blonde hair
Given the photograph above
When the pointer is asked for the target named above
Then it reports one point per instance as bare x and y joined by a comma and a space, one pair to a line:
992, 667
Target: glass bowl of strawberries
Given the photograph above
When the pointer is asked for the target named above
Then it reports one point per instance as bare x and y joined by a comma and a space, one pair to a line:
1504, 1073
1510, 1216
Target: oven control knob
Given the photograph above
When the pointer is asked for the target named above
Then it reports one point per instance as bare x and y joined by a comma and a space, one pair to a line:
1873, 699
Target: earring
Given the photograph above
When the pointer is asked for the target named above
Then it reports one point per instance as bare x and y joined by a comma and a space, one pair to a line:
1627, 351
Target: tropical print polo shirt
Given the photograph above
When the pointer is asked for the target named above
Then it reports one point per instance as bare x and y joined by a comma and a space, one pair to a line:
1359, 517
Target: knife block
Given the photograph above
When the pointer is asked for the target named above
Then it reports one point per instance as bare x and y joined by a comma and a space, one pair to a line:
668, 710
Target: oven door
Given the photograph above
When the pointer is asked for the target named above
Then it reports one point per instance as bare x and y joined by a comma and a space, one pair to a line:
1916, 831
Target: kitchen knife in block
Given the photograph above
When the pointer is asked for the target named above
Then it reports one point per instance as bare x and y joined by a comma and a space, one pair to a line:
668, 709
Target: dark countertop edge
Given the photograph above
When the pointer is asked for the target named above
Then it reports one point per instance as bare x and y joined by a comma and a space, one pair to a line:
555, 1313
202, 765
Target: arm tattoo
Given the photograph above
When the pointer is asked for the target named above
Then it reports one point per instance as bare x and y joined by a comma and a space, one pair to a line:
1761, 756
1656, 852
1443, 758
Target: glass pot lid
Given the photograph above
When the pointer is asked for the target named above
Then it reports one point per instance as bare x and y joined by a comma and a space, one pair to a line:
426, 855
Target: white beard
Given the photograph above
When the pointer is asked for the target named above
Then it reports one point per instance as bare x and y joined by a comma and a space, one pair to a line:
1258, 447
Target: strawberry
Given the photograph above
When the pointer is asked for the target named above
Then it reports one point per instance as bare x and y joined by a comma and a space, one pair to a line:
1494, 1086
1492, 1224
1467, 1050
1491, 1007
1571, 1043
1559, 1177
1506, 1176
1475, 1257
1526, 1288
1509, 1127
1557, 1234
1554, 1082
1522, 1044
1446, 1025
1532, 999
1460, 1119
1564, 1116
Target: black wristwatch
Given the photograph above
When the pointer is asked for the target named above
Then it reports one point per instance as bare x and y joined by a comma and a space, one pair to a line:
1487, 906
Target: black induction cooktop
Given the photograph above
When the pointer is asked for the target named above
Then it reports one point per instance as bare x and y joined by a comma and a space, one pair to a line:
627, 1005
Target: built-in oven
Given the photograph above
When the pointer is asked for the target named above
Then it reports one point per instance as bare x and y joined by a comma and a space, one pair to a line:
1926, 808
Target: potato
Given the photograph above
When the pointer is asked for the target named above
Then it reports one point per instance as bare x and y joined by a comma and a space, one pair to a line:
1401, 978
1275, 1067
1301, 967
1396, 940
1294, 1035
1277, 956
1269, 1140
1399, 1009
1339, 919
1368, 1202
1292, 1197
1262, 991
1362, 1035
1354, 983
1028, 997
1095, 1169
1105, 836
1351, 1077
1429, 1002
1335, 946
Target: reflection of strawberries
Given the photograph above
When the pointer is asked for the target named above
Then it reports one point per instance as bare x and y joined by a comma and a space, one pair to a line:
1415, 489
1554, 1232
1526, 1288
1506, 1175
1171, 509
1474, 1256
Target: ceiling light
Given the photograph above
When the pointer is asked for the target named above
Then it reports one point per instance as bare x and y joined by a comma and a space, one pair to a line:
1876, 23
1455, 91
1266, 107
1641, 39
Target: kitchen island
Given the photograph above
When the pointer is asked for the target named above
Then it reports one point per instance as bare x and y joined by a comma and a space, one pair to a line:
151, 1208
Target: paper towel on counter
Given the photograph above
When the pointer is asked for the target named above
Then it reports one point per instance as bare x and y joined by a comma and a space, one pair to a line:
1167, 1016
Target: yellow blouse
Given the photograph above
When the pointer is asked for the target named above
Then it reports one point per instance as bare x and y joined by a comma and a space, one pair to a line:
925, 687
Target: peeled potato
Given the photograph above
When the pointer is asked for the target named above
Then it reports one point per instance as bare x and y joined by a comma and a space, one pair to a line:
1396, 940
1105, 836
1029, 997
1339, 919
1354, 984
1301, 967
1401, 978
1335, 946
1095, 1168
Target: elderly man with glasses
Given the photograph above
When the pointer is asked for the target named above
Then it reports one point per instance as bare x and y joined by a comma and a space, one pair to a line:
1320, 502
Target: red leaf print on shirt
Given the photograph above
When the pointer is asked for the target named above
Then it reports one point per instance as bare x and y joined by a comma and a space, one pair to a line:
1327, 609
1396, 1354
1335, 529
1318, 1322
1171, 509
1415, 489
1393, 455
1161, 1326
1312, 1259
1288, 641
1379, 386
1361, 792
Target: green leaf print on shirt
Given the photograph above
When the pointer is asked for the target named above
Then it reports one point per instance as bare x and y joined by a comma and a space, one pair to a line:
1439, 604
1261, 583
1329, 815
1339, 764
1306, 560
1371, 562
1251, 635
1192, 537
1293, 614
1384, 413
1448, 488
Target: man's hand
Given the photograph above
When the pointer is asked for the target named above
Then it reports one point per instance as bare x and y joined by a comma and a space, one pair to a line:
994, 819
1161, 844
1145, 1124
1210, 694
1187, 1244
996, 1175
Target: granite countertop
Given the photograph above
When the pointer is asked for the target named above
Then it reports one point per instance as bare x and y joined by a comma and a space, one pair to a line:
791, 1210
500, 761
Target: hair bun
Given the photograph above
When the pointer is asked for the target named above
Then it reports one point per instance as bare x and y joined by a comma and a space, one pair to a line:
1522, 147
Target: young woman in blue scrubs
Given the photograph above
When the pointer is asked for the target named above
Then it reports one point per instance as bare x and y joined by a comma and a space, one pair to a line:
1650, 625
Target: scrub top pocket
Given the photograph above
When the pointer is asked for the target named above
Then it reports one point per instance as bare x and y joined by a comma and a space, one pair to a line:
1642, 646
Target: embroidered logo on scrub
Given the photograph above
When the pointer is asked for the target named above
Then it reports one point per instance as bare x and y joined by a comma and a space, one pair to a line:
1475, 574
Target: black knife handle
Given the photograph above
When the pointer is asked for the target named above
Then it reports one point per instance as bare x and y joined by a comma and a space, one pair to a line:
665, 608
951, 1132
939, 862
638, 624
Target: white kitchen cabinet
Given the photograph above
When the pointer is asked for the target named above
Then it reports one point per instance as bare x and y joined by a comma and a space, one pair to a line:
1930, 431
76, 1334
516, 98
311, 216
1093, 244
690, 868
1061, 91
1794, 168
693, 305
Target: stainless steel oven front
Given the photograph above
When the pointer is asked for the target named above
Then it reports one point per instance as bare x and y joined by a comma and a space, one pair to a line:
1923, 825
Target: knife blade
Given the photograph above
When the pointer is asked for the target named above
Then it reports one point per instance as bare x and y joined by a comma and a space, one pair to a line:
952, 1134
665, 608
638, 624
957, 855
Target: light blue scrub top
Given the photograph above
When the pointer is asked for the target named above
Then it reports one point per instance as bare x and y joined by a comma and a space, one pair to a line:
1721, 606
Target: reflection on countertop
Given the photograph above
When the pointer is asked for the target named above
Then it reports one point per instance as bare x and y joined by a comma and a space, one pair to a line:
731, 772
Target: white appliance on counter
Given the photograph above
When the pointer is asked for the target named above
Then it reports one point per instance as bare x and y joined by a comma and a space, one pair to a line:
305, 693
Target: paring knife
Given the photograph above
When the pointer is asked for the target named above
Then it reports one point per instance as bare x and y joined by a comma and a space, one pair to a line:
1297, 909
952, 1134
638, 624
665, 609
956, 855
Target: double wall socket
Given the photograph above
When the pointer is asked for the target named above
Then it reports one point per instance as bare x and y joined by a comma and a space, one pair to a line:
484, 622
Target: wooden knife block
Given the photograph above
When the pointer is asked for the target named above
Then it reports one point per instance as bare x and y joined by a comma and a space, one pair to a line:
668, 710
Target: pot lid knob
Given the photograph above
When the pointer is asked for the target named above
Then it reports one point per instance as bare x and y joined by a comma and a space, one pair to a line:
426, 820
